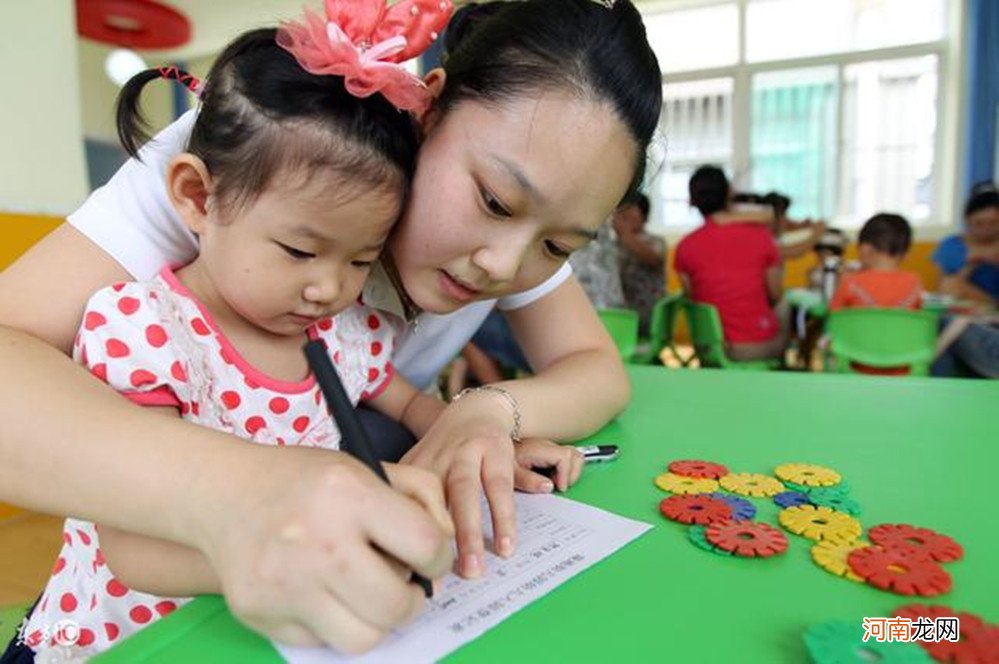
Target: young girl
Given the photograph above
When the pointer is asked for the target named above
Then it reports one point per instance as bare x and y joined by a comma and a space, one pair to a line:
291, 183
503, 190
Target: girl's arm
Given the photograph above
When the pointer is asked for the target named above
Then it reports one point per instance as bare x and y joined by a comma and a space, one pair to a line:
579, 385
408, 406
70, 445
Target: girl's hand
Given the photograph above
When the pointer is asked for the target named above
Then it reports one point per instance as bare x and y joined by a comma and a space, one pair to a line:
470, 449
538, 453
315, 549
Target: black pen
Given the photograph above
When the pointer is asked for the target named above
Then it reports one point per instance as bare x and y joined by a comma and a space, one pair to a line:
353, 439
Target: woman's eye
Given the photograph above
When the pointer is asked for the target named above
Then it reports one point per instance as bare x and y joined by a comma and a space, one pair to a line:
295, 253
494, 205
556, 250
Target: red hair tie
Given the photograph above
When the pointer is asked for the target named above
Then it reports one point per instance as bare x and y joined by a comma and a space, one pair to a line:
189, 81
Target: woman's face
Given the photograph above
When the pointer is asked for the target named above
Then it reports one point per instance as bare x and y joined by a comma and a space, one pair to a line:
983, 225
504, 193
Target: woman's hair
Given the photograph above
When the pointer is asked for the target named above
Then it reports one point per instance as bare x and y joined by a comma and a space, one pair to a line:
498, 51
261, 114
888, 233
983, 195
709, 190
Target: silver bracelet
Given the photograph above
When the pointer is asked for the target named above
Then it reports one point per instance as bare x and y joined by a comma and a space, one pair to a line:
515, 433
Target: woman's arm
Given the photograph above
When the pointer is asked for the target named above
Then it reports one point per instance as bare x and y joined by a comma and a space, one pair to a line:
284, 527
579, 385
957, 285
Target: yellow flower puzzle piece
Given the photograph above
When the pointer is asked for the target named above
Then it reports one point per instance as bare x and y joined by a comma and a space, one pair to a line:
831, 556
807, 474
820, 523
751, 484
685, 485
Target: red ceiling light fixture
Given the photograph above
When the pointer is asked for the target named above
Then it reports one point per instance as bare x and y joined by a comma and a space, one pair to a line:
140, 24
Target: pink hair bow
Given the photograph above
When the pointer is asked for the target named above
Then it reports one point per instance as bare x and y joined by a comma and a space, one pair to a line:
365, 41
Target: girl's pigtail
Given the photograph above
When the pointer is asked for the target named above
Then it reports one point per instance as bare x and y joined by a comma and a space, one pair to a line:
131, 123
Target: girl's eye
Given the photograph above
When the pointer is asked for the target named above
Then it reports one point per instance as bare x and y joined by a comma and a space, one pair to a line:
295, 253
363, 265
556, 250
494, 205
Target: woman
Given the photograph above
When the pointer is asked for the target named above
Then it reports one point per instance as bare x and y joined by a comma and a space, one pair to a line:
504, 191
969, 263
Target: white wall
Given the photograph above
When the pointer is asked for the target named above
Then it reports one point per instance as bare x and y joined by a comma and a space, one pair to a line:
42, 166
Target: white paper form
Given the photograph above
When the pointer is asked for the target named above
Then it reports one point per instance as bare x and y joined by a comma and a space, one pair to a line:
558, 538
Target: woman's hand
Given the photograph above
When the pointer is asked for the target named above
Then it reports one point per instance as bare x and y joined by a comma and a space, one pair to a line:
469, 447
321, 550
536, 453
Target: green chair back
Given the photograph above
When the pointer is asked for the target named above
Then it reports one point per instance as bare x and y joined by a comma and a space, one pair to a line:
622, 325
708, 338
883, 338
662, 329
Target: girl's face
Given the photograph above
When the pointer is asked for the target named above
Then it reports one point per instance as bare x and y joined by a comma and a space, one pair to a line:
298, 253
504, 193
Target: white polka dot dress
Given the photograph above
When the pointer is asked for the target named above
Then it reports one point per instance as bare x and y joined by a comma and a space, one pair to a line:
156, 345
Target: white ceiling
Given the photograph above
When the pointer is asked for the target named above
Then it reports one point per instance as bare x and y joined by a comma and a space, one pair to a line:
216, 22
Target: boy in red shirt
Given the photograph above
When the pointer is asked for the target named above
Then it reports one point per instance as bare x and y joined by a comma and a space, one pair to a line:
734, 265
883, 242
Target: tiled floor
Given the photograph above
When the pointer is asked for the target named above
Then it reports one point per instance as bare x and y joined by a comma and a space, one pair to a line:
28, 547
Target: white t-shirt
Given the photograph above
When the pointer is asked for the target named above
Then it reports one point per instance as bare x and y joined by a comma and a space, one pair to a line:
132, 219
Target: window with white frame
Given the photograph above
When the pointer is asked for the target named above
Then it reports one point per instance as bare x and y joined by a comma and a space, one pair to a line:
834, 103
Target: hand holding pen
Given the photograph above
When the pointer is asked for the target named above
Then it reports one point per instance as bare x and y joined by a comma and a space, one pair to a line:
354, 440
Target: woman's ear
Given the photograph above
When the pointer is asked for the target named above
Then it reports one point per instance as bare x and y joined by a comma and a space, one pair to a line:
434, 80
189, 186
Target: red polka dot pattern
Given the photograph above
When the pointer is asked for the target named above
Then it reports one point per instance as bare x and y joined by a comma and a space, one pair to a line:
124, 342
255, 424
141, 614
116, 588
128, 305
231, 400
117, 348
156, 336
93, 320
68, 602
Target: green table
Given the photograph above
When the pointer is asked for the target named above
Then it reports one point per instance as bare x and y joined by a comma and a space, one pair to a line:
920, 451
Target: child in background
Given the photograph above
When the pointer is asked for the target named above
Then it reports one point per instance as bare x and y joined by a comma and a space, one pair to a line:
733, 263
883, 243
642, 257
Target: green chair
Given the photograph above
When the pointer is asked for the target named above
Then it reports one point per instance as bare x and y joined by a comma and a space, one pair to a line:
662, 329
709, 340
622, 325
10, 620
883, 338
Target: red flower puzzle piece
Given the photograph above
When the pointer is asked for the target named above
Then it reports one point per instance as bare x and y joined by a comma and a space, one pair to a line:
939, 547
905, 572
695, 508
694, 468
749, 539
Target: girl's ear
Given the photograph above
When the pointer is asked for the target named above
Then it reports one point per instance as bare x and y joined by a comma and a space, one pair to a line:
434, 81
189, 186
